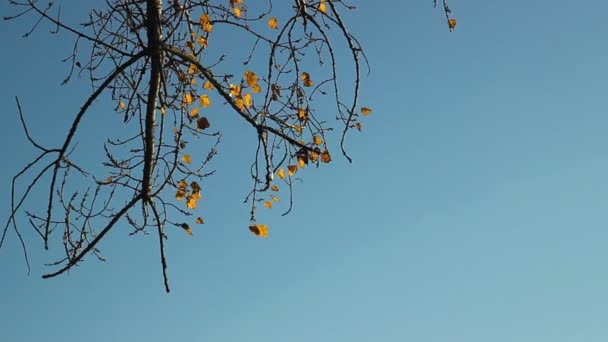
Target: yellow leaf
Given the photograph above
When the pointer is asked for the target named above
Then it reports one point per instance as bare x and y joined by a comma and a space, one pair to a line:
452, 24
263, 230
205, 101
273, 23
305, 76
235, 90
256, 88
205, 22
247, 100
191, 202
208, 85
281, 174
325, 156
268, 204
163, 111
187, 159
192, 69
274, 198
202, 41
322, 7
202, 123
251, 78
197, 195
291, 169
314, 155
199, 220
317, 140
182, 185
303, 114
274, 188
308, 83
259, 229
238, 102
365, 110
301, 162
237, 12
122, 105
187, 98
194, 112
179, 195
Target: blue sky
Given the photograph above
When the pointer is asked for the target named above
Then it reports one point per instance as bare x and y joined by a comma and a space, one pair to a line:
475, 209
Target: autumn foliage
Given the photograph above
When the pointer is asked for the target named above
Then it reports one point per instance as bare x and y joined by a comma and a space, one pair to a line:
163, 66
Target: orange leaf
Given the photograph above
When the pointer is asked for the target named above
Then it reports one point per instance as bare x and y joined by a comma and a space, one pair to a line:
291, 169
273, 23
205, 101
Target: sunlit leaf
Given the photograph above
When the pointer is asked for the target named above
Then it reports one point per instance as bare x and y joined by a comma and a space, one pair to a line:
163, 111
122, 105
194, 112
291, 169
239, 103
256, 88
314, 156
192, 69
325, 156
247, 100
235, 90
452, 24
179, 195
191, 202
251, 78
274, 198
208, 85
202, 41
274, 188
273, 23
187, 159
237, 12
188, 98
260, 230
268, 204
281, 174
301, 162
205, 101
303, 115
205, 22
322, 7
197, 195
366, 111
182, 184
317, 140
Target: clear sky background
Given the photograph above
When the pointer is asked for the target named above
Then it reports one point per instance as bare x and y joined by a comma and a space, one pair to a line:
475, 209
